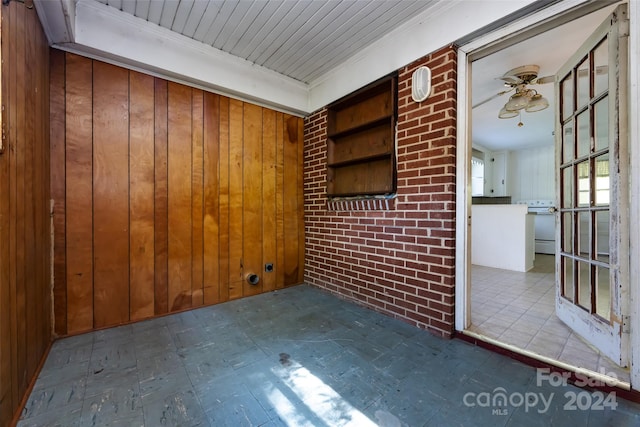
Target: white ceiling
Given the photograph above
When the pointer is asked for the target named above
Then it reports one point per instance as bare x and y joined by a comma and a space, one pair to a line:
301, 39
291, 55
549, 50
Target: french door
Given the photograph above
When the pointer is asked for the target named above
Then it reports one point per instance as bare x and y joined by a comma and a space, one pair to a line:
592, 262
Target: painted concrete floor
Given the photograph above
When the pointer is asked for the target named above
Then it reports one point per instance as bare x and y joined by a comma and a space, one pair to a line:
298, 357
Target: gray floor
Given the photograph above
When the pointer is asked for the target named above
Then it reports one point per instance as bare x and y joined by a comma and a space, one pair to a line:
298, 357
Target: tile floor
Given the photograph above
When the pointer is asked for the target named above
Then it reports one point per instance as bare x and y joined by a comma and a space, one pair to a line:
297, 357
519, 309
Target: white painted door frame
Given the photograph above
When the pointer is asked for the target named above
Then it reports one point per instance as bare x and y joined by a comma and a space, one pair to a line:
463, 154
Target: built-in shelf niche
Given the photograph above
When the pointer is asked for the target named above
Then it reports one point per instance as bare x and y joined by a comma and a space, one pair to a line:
361, 141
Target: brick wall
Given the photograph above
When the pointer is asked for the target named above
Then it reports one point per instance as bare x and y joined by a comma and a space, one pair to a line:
398, 260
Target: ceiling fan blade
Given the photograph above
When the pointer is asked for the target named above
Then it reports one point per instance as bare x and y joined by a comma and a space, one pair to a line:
511, 80
491, 98
543, 80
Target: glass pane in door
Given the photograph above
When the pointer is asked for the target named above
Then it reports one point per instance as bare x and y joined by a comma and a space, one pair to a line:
603, 292
601, 67
584, 285
584, 234
601, 123
583, 94
602, 180
583, 135
567, 187
567, 142
567, 278
567, 97
584, 184
602, 236
567, 232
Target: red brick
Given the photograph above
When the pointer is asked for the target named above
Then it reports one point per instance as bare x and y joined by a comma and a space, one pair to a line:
371, 257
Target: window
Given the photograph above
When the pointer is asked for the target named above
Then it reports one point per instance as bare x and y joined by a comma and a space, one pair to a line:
477, 177
361, 142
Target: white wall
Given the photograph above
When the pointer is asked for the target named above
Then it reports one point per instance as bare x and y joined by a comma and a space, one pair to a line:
532, 173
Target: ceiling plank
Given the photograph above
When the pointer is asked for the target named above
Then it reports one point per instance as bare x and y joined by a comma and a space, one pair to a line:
246, 25
195, 17
129, 6
115, 3
209, 15
218, 23
317, 38
347, 29
142, 9
271, 15
233, 22
301, 12
169, 10
155, 11
183, 12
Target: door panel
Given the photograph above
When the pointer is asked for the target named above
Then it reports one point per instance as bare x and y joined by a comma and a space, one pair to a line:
592, 260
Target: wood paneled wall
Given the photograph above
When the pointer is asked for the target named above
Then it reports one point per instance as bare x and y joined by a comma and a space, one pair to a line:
166, 197
25, 239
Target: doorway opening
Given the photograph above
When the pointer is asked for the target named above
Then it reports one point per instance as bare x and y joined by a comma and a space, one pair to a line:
512, 298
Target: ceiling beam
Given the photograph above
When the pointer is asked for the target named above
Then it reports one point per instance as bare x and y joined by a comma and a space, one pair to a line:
106, 33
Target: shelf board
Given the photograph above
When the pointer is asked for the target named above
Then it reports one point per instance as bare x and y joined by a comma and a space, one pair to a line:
366, 159
363, 126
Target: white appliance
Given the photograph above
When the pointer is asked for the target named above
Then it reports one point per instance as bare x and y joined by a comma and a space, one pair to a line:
545, 225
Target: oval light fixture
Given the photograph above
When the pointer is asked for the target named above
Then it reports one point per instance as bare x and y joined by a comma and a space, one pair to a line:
421, 84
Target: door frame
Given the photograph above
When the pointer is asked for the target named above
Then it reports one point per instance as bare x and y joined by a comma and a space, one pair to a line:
488, 43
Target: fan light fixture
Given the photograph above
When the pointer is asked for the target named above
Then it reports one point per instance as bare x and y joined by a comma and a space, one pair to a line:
525, 99
506, 114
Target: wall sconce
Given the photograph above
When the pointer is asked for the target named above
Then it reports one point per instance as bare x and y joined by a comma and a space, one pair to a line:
421, 84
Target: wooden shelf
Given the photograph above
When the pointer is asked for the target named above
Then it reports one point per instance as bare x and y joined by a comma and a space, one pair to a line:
361, 141
361, 127
358, 160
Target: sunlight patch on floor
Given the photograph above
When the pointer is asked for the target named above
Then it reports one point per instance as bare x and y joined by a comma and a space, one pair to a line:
320, 398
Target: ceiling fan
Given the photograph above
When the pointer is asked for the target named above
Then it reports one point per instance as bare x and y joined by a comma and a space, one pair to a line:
523, 97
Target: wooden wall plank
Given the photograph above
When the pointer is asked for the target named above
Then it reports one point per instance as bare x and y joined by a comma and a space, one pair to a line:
24, 276
79, 194
179, 181
141, 191
223, 230
300, 204
161, 203
197, 196
269, 215
280, 243
31, 195
290, 190
13, 177
213, 192
110, 194
21, 170
6, 234
252, 197
211, 198
236, 280
44, 231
